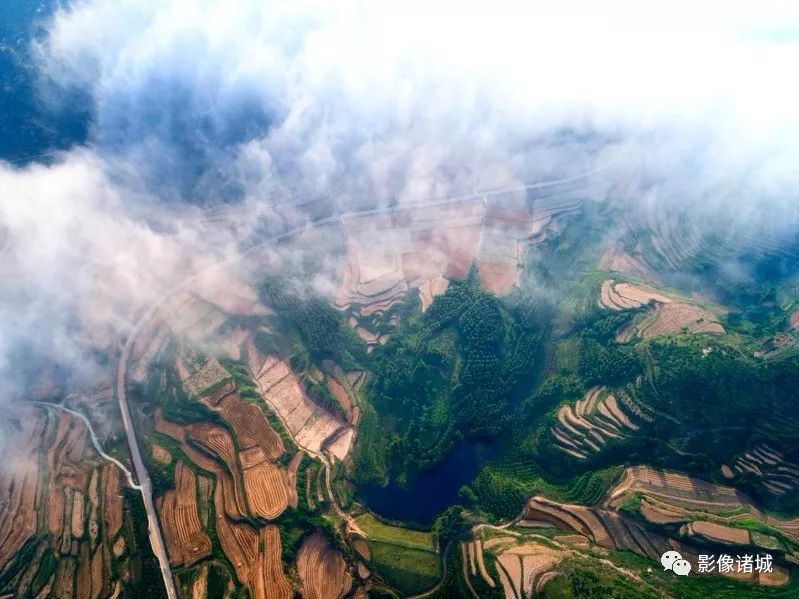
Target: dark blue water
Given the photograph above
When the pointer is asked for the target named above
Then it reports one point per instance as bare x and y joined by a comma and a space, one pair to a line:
29, 125
431, 492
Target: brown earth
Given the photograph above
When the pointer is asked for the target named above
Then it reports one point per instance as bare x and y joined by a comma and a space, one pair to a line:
184, 535
322, 569
497, 277
251, 427
430, 288
160, 455
310, 425
291, 478
717, 532
341, 396
265, 486
18, 482
267, 579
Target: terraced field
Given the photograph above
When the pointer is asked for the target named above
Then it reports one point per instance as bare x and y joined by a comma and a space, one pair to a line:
592, 423
61, 510
322, 569
524, 569
248, 486
312, 427
186, 540
673, 497
777, 475
473, 559
267, 578
670, 314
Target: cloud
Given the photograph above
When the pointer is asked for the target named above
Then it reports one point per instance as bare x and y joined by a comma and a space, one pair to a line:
264, 105
79, 265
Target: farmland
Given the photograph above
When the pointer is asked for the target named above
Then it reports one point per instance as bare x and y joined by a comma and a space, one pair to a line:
66, 525
186, 540
391, 383
579, 437
322, 569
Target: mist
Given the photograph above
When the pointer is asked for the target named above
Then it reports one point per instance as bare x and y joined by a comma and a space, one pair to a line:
262, 107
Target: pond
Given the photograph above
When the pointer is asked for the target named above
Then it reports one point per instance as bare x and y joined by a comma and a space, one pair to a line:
432, 491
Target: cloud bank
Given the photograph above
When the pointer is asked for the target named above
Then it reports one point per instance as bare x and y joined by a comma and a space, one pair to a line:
197, 103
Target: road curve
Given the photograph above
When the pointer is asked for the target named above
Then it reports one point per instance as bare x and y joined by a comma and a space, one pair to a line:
145, 486
95, 440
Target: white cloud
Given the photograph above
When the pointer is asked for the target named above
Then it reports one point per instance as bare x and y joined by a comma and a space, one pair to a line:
268, 101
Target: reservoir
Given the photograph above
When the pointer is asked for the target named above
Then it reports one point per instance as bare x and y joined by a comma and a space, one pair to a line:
432, 491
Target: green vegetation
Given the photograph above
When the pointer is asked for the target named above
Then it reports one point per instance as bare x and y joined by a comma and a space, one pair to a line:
146, 580
633, 504
590, 488
450, 525
396, 535
474, 367
321, 328
576, 580
408, 570
453, 585
219, 580
455, 372
500, 495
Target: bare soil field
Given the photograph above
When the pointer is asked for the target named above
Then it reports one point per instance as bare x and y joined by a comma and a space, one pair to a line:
591, 424
718, 532
362, 548
687, 497
341, 396
291, 478
267, 579
214, 397
424, 245
251, 426
657, 514
112, 501
675, 317
239, 542
497, 277
253, 553
210, 373
310, 425
673, 488
251, 457
670, 314
160, 454
185, 538
615, 259
217, 443
777, 475
535, 560
229, 494
265, 485
429, 288
56, 489
18, 482
322, 569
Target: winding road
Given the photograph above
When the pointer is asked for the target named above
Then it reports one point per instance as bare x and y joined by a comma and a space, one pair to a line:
95, 440
144, 485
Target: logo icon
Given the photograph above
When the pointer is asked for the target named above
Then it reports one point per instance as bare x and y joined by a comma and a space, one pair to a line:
672, 560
